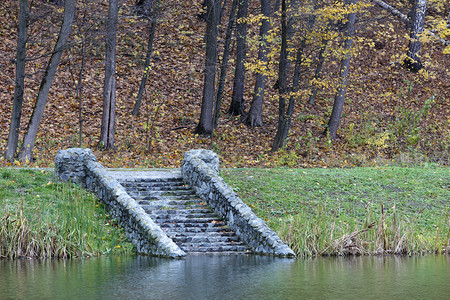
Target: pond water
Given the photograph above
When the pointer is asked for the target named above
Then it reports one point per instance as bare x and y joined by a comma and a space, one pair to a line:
227, 277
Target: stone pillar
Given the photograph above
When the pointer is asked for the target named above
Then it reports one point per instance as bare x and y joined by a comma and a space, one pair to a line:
209, 157
70, 164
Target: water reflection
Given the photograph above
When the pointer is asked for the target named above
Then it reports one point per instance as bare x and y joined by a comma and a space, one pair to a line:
228, 277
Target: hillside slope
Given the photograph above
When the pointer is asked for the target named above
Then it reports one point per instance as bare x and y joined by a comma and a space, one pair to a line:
388, 116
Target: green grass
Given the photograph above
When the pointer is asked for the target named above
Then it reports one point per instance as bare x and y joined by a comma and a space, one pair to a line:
43, 218
351, 211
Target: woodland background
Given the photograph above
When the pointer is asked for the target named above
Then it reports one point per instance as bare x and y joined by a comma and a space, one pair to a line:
391, 115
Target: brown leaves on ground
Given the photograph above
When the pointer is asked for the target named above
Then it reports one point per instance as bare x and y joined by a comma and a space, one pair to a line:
382, 118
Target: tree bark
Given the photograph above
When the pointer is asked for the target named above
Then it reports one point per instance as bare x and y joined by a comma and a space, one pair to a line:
205, 124
151, 36
109, 88
321, 59
285, 115
282, 70
339, 99
448, 20
254, 117
14, 127
49, 74
223, 70
417, 23
237, 99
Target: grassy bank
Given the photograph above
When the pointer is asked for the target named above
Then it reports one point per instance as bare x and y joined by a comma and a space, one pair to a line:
43, 218
351, 211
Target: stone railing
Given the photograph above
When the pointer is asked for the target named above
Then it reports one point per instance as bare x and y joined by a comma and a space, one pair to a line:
80, 166
200, 170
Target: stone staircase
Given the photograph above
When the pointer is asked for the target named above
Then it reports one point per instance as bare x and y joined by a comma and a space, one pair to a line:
183, 216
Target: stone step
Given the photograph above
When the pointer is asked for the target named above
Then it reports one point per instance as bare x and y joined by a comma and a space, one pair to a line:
191, 218
155, 185
153, 180
186, 224
168, 188
189, 247
153, 193
183, 216
205, 239
196, 230
215, 233
183, 210
171, 202
196, 220
187, 213
157, 207
152, 198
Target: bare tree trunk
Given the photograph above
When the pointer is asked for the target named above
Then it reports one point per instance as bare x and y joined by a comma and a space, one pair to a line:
416, 26
151, 36
254, 117
109, 89
79, 92
205, 124
448, 20
237, 99
321, 59
49, 74
223, 70
282, 73
14, 127
276, 6
339, 99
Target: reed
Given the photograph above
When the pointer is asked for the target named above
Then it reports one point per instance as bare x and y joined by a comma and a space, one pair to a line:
42, 219
381, 210
320, 233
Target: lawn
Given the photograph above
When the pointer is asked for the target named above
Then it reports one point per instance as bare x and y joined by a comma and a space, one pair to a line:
381, 209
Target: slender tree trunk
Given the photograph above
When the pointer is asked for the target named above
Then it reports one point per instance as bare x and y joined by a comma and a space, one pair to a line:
417, 23
448, 20
79, 92
291, 6
151, 36
109, 88
223, 70
281, 128
254, 117
49, 74
237, 99
276, 6
339, 99
14, 127
205, 124
284, 123
321, 59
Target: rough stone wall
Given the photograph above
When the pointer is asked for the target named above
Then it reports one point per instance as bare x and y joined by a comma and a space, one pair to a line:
200, 170
81, 166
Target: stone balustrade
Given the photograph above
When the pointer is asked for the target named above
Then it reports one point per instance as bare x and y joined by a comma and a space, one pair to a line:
200, 170
80, 166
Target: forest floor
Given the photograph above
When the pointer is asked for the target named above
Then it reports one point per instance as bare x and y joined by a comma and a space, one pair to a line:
391, 116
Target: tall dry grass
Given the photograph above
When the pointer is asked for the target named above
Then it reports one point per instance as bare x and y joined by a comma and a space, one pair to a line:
389, 233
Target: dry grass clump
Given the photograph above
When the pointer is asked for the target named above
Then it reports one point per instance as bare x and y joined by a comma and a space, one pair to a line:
18, 240
323, 235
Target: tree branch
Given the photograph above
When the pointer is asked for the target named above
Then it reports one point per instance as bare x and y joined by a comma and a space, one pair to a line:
404, 18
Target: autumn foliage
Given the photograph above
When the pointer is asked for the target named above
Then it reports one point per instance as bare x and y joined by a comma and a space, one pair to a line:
391, 115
